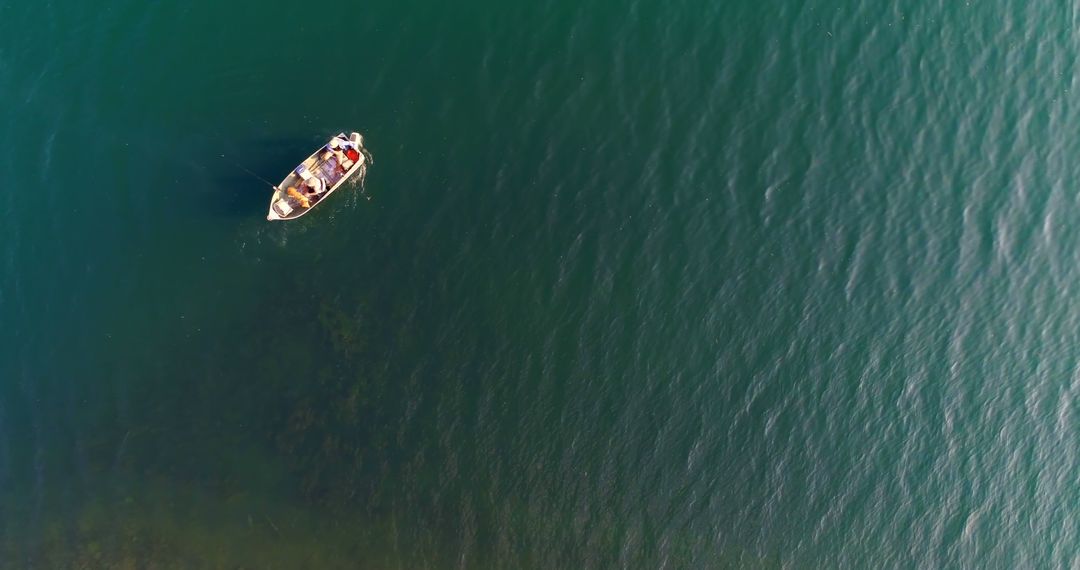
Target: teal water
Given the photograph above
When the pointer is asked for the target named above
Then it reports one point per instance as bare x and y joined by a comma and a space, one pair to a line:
674, 284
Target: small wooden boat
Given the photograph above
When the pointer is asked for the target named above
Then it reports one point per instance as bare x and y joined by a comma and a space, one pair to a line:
311, 183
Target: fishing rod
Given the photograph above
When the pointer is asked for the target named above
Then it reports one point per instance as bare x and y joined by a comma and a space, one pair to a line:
241, 167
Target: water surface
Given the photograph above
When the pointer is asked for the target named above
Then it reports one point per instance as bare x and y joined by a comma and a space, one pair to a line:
631, 285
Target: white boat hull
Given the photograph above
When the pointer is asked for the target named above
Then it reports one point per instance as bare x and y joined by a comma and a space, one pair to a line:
284, 206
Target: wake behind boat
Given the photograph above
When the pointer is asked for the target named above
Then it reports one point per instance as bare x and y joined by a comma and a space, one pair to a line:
317, 177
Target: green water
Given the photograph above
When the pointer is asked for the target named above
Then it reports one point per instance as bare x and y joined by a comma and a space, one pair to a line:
675, 284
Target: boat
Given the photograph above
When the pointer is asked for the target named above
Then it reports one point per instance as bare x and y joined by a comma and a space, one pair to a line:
312, 182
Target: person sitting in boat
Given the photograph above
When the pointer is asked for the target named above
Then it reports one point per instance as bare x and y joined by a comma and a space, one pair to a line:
314, 187
345, 151
335, 148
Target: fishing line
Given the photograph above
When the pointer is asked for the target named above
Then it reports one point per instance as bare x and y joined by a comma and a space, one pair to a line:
241, 167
